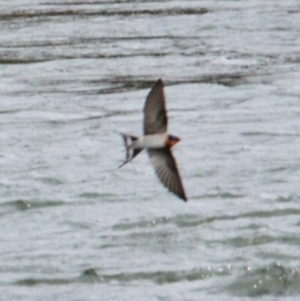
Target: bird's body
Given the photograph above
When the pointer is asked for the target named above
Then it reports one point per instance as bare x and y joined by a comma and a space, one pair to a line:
150, 141
157, 141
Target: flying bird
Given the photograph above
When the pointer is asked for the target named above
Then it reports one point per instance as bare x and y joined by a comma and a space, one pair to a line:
157, 141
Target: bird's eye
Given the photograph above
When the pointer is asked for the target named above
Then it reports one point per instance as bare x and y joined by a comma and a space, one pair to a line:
172, 138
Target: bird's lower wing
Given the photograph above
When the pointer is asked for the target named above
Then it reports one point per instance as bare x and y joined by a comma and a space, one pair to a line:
167, 171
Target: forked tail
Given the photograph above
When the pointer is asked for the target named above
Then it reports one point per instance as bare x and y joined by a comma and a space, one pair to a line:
130, 151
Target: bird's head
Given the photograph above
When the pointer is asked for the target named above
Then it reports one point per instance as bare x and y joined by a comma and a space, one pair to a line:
171, 141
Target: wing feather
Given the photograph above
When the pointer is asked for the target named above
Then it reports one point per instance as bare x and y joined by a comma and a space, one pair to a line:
167, 171
155, 114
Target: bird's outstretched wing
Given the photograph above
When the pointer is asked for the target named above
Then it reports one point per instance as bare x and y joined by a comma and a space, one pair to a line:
167, 171
155, 114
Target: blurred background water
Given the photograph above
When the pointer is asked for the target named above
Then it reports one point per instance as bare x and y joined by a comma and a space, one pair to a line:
73, 74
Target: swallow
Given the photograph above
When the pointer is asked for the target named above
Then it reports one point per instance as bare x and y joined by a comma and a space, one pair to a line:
157, 142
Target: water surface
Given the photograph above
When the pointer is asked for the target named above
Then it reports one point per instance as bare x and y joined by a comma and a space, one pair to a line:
73, 75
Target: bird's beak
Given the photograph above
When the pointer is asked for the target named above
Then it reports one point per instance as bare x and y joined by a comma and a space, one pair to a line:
176, 141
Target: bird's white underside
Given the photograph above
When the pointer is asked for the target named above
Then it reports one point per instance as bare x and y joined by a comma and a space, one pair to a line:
150, 141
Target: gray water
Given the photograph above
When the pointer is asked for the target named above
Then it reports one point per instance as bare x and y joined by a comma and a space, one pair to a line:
73, 75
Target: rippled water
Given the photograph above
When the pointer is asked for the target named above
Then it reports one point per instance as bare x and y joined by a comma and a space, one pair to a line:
76, 73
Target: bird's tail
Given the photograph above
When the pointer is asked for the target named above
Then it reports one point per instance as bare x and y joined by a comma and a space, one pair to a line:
130, 151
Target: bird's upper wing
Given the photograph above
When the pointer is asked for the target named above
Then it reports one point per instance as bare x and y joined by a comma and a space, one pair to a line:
155, 114
166, 169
